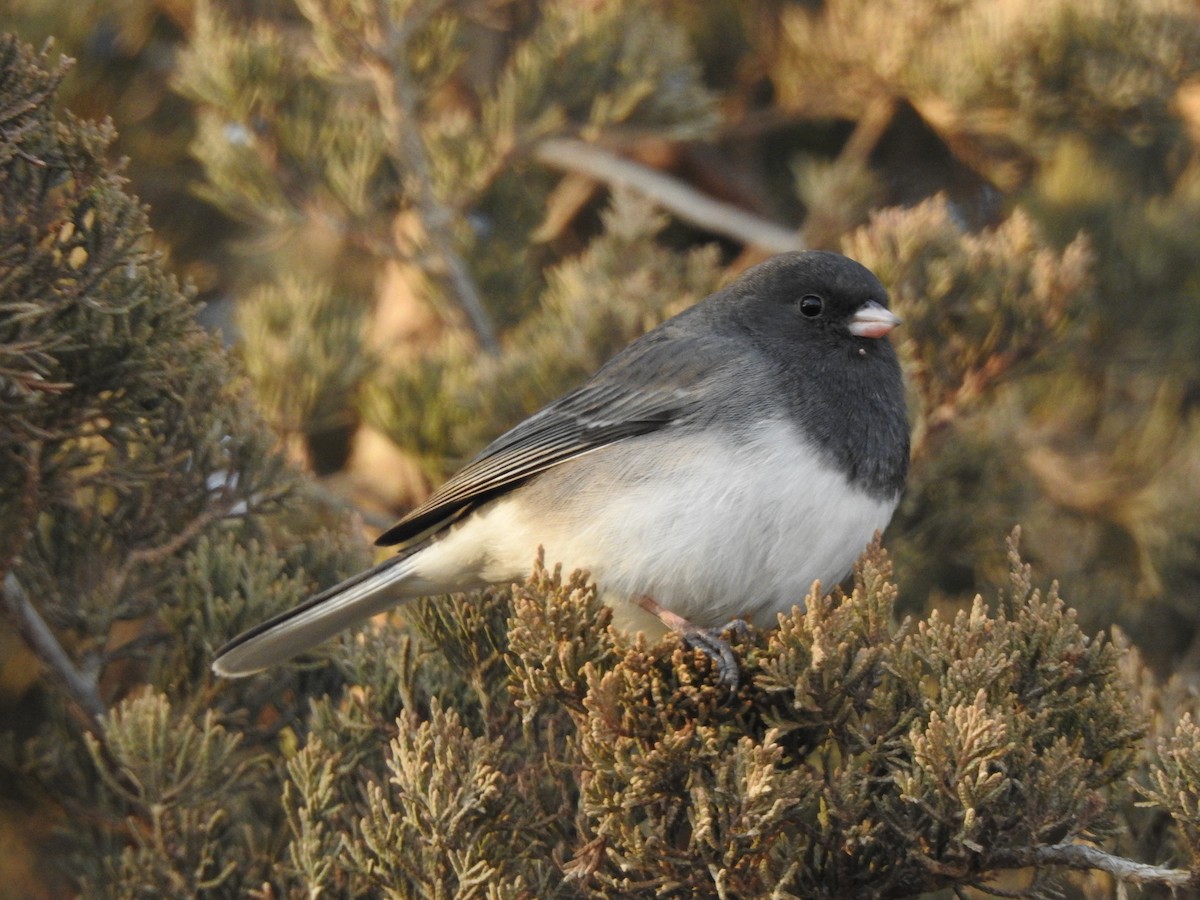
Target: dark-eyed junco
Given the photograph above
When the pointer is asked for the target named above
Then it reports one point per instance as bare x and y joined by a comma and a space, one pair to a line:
712, 470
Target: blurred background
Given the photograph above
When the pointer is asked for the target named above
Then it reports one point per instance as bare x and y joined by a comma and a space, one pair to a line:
414, 223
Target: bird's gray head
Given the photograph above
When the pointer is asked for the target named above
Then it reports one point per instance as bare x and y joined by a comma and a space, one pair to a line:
818, 298
820, 322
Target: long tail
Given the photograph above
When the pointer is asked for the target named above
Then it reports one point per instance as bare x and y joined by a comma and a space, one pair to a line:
316, 619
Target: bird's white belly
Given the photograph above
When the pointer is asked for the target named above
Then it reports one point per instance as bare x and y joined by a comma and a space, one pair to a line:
718, 529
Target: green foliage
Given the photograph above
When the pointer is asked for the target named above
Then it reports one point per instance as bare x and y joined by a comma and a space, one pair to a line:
183, 783
557, 643
554, 348
1101, 67
838, 196
1176, 783
147, 513
1077, 735
308, 799
289, 331
114, 451
610, 64
974, 305
348, 121
1002, 83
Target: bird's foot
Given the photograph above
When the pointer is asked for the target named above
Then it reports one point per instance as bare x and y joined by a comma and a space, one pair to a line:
708, 641
716, 648
740, 628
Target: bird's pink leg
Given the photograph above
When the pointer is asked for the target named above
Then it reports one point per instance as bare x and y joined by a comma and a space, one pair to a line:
707, 640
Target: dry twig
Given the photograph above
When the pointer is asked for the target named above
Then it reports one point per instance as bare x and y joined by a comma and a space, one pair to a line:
670, 193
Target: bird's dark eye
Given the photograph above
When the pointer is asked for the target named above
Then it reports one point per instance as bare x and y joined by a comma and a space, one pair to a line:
811, 306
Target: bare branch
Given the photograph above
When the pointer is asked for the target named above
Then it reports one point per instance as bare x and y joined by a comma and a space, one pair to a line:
397, 101
670, 193
41, 640
1085, 857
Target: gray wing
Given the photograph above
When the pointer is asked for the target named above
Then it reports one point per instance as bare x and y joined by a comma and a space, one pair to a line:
653, 383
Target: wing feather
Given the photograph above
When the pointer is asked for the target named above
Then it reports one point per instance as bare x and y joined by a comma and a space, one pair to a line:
634, 394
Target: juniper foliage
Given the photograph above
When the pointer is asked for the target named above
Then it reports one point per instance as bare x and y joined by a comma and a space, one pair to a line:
509, 743
380, 120
859, 757
147, 514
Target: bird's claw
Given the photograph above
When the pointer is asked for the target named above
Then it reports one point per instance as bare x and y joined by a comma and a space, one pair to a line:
710, 642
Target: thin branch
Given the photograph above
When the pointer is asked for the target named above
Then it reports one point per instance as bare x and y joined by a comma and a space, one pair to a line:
1000, 892
1085, 857
146, 556
678, 197
41, 640
151, 555
28, 621
397, 101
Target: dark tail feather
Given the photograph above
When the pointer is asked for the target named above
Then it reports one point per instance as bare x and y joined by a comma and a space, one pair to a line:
316, 619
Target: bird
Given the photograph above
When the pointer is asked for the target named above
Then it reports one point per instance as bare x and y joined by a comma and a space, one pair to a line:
711, 472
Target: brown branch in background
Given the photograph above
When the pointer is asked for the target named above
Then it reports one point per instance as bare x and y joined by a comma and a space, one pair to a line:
397, 101
679, 198
41, 640
869, 129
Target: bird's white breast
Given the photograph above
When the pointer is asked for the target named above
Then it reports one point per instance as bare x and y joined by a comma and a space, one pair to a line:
713, 527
